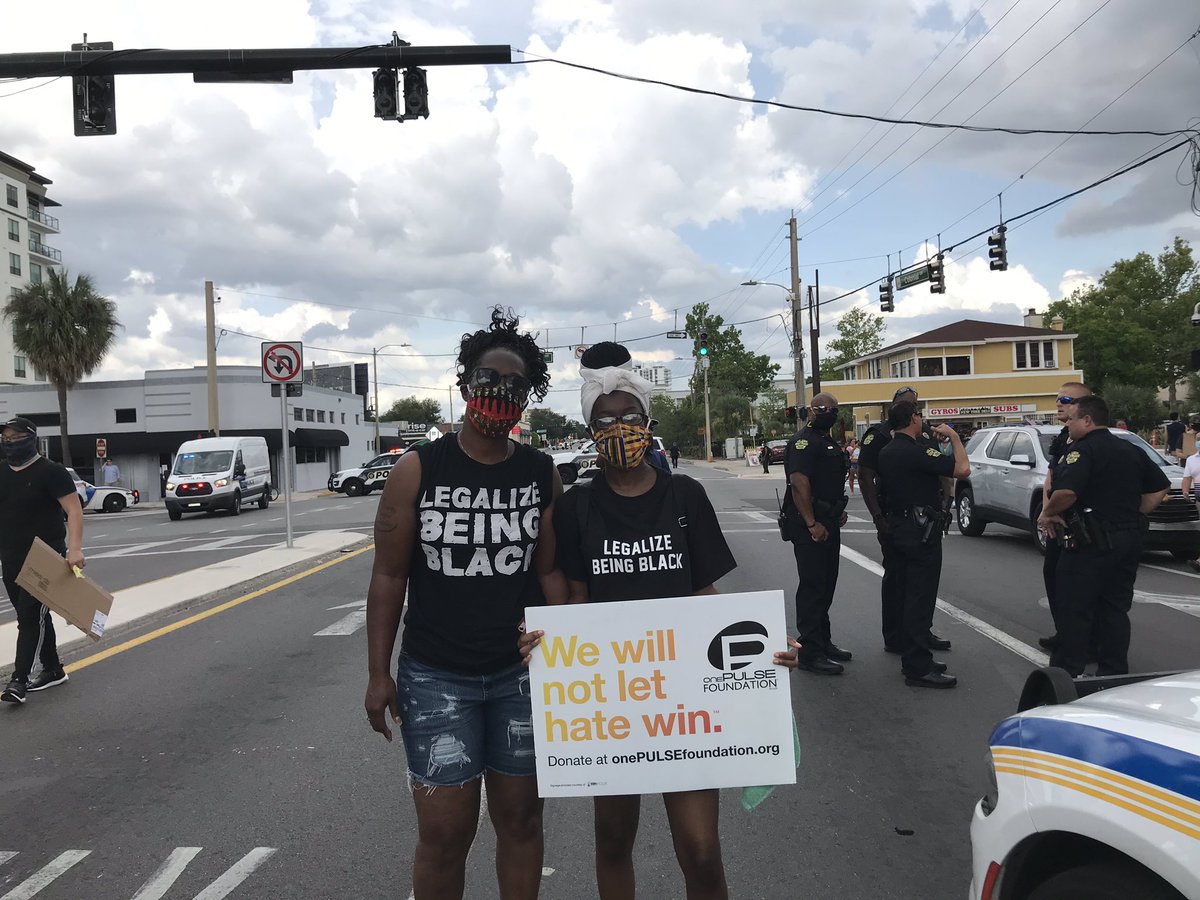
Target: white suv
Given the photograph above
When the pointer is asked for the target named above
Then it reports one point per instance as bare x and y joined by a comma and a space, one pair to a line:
1008, 469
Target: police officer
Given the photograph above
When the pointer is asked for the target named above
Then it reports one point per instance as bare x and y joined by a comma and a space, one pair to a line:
816, 473
1102, 490
874, 492
912, 470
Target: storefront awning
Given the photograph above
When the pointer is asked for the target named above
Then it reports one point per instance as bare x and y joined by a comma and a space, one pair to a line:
319, 437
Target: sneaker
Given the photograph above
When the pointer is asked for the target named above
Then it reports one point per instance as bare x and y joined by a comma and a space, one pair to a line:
14, 693
47, 678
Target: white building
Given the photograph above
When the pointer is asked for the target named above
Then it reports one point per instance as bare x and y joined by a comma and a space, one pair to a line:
26, 257
658, 375
145, 421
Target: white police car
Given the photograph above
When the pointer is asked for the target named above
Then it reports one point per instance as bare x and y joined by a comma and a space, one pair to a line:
365, 478
1096, 798
108, 499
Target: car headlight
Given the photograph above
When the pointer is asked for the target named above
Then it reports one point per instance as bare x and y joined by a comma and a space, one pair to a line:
170, 486
221, 482
992, 797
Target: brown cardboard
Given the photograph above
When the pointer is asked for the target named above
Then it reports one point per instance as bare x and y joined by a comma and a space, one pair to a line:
80, 601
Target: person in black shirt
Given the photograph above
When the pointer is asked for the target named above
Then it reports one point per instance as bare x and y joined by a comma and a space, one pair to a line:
1175, 432
465, 525
816, 504
912, 471
636, 533
1111, 485
37, 500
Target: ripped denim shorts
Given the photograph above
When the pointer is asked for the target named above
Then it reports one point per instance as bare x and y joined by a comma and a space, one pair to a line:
455, 727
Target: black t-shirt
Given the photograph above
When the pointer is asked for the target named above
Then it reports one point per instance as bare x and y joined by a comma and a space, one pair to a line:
29, 507
911, 470
874, 440
1108, 476
1058, 446
817, 456
1175, 432
665, 543
473, 572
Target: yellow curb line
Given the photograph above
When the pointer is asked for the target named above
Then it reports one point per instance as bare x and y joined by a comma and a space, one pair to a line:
191, 620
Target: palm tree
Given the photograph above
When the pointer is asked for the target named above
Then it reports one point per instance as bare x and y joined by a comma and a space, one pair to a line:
65, 331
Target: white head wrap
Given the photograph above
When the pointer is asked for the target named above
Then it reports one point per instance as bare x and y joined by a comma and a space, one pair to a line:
597, 382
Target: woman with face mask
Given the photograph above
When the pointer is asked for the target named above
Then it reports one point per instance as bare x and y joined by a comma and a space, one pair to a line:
465, 525
632, 504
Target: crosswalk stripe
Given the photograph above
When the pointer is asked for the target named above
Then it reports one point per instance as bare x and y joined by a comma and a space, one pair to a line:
38, 880
235, 875
6, 855
160, 882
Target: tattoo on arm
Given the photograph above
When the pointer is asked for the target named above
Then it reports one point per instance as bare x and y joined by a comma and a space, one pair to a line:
387, 519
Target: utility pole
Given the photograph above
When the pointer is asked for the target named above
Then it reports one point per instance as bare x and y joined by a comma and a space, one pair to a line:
814, 329
210, 338
375, 375
797, 332
708, 454
451, 409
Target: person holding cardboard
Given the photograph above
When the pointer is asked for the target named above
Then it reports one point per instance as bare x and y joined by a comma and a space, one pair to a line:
37, 500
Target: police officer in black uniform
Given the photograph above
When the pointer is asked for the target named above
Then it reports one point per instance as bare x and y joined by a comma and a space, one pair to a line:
816, 472
1102, 490
874, 493
912, 470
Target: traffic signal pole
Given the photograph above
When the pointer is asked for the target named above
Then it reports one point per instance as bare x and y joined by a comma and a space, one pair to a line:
797, 319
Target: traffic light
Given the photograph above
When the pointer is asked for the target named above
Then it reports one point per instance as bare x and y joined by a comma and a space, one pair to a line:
95, 104
886, 297
387, 93
703, 351
416, 94
999, 250
937, 276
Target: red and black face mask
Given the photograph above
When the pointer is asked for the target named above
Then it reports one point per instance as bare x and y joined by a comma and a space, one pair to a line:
496, 401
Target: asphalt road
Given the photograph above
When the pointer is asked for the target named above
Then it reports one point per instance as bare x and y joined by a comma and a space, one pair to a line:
242, 737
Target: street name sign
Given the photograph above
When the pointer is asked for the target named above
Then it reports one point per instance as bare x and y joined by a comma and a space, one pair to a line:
914, 276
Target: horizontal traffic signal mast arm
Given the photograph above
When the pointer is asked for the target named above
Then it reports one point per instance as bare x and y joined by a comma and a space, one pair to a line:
263, 61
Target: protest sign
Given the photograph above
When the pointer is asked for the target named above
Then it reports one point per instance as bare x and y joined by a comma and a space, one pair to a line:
648, 696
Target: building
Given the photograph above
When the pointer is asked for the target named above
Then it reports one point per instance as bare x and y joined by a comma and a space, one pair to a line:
27, 257
144, 421
657, 375
969, 373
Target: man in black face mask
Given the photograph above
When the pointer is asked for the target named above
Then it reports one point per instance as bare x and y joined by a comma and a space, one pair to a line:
36, 495
816, 505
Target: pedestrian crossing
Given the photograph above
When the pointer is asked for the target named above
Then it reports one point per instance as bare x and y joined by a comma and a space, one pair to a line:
157, 887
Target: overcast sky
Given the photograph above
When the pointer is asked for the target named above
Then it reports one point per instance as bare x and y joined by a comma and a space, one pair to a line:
581, 200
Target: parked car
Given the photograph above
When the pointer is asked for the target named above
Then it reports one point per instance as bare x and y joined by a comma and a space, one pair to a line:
776, 451
103, 499
577, 463
370, 475
1008, 470
1093, 797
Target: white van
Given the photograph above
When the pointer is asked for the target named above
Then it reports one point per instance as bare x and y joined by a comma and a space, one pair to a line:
219, 473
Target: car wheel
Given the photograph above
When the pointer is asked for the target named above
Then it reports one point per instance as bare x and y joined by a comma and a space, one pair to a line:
264, 499
353, 487
174, 514
568, 473
970, 522
114, 503
1105, 881
1039, 536
236, 508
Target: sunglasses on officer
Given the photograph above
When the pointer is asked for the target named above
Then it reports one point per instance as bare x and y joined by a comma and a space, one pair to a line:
821, 408
483, 377
1066, 399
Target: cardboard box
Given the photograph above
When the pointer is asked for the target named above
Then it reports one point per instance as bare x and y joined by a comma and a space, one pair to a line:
79, 600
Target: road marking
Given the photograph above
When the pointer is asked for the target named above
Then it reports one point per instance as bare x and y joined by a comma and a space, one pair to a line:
160, 882
1185, 603
217, 544
139, 528
1037, 657
6, 855
347, 624
276, 519
229, 604
1172, 571
132, 548
237, 873
38, 880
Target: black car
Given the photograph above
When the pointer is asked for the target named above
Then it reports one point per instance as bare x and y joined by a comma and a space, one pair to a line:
776, 451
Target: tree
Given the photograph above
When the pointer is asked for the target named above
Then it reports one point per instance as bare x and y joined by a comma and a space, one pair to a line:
412, 409
65, 331
678, 422
556, 425
733, 369
860, 332
1138, 406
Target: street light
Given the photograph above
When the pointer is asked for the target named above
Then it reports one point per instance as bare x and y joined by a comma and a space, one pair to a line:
797, 341
375, 373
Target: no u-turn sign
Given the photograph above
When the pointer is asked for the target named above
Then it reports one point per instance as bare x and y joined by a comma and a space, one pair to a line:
282, 362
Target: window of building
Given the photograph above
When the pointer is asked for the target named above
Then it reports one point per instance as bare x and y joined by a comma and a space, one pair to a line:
930, 367
309, 415
343, 418
298, 414
14, 264
356, 418
38, 374
35, 272
320, 415
1034, 355
321, 454
12, 195
126, 416
14, 230
874, 368
958, 365
18, 367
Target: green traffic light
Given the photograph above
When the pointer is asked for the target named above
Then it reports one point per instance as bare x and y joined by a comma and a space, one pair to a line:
704, 351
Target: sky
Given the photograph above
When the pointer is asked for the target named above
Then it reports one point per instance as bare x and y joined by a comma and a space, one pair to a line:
594, 206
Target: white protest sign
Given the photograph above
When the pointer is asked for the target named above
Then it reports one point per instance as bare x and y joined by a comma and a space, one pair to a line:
647, 696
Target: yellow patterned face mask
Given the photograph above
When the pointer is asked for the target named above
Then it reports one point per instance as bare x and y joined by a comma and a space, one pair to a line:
623, 446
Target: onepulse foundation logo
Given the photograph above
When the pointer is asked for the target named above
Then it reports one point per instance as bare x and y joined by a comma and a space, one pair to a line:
732, 652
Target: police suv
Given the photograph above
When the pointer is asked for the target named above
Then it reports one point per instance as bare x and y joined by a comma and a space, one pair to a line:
365, 478
1094, 797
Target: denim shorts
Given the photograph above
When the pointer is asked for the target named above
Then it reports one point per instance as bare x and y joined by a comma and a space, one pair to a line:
455, 727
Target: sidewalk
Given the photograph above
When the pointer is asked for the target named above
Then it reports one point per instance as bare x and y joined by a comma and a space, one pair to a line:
736, 467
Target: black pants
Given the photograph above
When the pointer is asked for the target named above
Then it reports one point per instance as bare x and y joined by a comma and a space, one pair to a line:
766, 461
1050, 574
891, 591
1095, 592
817, 565
35, 628
920, 566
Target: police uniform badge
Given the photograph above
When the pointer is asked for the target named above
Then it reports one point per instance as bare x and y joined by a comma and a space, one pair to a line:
1073, 456
934, 453
870, 437
802, 443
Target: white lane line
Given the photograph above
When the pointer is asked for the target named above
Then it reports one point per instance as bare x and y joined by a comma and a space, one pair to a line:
1171, 571
132, 548
217, 544
247, 525
1037, 657
236, 874
160, 882
139, 528
276, 519
6, 855
38, 880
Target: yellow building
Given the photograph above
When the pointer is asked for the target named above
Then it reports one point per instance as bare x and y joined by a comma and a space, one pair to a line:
968, 373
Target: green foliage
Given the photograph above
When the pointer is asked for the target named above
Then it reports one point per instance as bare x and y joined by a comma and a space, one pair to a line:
733, 369
1133, 324
1138, 406
556, 425
860, 332
770, 414
678, 422
65, 330
412, 409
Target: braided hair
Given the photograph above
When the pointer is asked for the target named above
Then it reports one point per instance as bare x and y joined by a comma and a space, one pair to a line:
503, 334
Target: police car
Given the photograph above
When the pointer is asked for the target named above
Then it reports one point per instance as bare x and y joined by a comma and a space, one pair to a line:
572, 464
107, 499
1095, 798
367, 477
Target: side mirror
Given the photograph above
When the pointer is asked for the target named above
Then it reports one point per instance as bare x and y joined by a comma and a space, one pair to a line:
1021, 459
239, 470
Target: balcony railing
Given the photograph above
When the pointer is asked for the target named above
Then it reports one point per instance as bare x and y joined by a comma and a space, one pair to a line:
42, 219
41, 249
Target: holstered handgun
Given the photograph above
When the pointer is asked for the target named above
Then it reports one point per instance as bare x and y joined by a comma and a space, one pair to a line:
830, 510
927, 518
